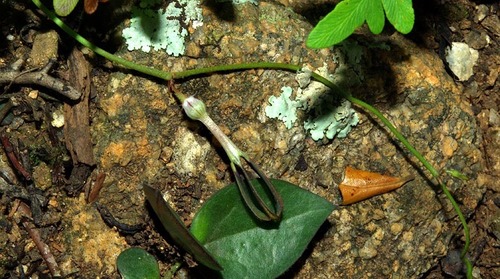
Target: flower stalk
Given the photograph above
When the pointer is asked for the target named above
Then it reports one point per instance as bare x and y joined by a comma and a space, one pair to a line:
196, 110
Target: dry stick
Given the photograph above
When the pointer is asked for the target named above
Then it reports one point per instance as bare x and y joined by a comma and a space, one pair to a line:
40, 78
9, 150
42, 246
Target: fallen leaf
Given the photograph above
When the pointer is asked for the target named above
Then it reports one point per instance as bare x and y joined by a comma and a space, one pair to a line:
90, 6
360, 185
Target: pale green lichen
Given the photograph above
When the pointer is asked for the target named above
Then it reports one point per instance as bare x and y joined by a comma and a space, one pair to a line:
332, 120
163, 28
283, 108
329, 116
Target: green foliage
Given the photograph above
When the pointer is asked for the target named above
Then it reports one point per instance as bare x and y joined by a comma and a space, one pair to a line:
136, 263
248, 248
348, 15
64, 7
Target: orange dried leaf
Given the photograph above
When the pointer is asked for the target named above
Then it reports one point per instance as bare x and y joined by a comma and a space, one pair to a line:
360, 185
90, 6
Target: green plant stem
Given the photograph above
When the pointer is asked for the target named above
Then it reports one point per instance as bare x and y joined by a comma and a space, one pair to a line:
125, 63
270, 65
155, 72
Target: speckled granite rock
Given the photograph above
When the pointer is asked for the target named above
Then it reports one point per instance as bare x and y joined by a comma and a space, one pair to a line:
142, 135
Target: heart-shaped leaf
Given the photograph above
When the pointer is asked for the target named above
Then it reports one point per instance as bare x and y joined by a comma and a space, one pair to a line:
248, 248
135, 263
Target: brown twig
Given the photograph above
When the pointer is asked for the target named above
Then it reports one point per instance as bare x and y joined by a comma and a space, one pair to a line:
9, 150
42, 246
40, 78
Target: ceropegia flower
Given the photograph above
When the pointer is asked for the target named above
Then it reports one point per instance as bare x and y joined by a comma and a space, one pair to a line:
196, 110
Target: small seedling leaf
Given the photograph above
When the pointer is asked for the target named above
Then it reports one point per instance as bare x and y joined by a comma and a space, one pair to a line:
248, 248
457, 174
64, 7
136, 263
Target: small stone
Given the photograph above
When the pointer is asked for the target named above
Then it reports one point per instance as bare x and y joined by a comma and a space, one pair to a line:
57, 119
465, 24
493, 76
449, 145
408, 236
45, 47
481, 13
42, 176
395, 266
378, 235
494, 118
368, 251
192, 50
189, 155
492, 23
166, 154
33, 94
461, 59
396, 228
476, 40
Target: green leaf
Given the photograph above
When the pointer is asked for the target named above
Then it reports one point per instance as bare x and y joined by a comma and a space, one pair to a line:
248, 248
136, 263
351, 14
64, 7
375, 16
175, 227
400, 14
338, 24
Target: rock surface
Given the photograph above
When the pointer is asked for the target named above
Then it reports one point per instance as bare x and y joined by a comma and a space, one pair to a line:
141, 136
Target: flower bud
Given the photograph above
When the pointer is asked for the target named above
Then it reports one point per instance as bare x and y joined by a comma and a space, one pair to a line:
194, 108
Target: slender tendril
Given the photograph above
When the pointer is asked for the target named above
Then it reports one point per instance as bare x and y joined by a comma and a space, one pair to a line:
279, 66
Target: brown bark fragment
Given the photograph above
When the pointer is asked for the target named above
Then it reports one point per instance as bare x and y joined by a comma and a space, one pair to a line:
76, 127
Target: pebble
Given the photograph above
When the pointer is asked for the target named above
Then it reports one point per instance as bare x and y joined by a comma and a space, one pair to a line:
481, 13
477, 40
492, 23
396, 228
